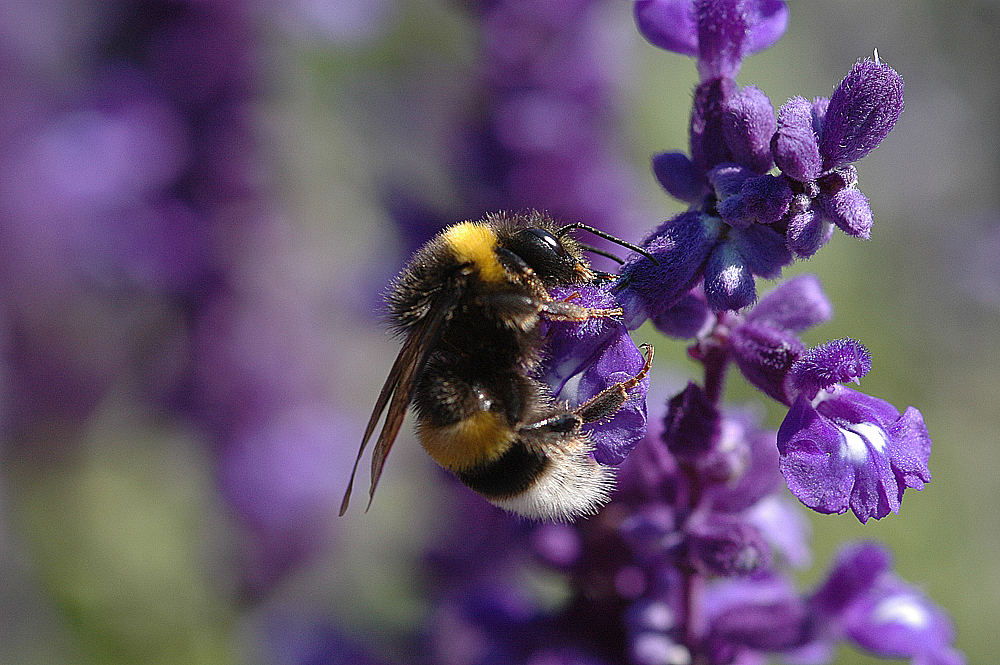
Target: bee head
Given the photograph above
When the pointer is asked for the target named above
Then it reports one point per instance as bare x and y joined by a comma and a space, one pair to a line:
555, 259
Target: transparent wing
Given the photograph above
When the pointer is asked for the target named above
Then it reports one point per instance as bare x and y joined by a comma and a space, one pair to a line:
397, 392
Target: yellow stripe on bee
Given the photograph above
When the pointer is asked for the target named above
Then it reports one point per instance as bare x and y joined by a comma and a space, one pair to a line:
472, 441
474, 243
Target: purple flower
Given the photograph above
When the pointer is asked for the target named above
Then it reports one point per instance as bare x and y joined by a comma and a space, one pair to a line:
759, 614
689, 27
863, 601
692, 246
584, 359
844, 449
764, 343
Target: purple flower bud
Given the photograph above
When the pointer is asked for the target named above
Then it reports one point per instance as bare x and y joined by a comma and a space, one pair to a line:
691, 426
727, 179
748, 124
680, 245
650, 531
749, 614
763, 249
862, 111
882, 614
689, 317
728, 30
677, 175
778, 625
729, 284
754, 471
896, 620
762, 200
846, 450
723, 28
795, 144
708, 145
764, 356
783, 525
807, 231
849, 210
832, 362
727, 547
795, 305
854, 571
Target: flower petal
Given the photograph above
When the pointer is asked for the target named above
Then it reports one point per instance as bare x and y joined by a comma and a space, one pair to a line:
807, 231
723, 30
814, 469
669, 24
895, 620
762, 200
764, 355
796, 304
677, 175
847, 449
762, 248
689, 317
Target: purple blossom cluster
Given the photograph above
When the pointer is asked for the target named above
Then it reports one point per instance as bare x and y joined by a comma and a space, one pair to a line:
689, 563
763, 189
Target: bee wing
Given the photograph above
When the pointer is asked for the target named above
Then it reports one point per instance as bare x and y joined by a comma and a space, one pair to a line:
397, 391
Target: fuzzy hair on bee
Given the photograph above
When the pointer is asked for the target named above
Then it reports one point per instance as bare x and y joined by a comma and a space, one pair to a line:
468, 307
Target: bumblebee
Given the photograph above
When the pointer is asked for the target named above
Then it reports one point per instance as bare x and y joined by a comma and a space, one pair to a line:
468, 307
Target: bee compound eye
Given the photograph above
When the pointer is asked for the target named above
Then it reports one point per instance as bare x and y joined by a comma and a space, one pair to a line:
541, 250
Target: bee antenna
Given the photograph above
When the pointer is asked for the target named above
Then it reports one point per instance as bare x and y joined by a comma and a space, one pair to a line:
607, 236
601, 252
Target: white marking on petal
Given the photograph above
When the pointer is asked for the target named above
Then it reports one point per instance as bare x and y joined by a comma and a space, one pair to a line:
902, 609
571, 390
822, 396
874, 434
852, 447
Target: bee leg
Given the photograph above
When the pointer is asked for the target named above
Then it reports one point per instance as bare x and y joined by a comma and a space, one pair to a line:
560, 310
561, 423
602, 405
607, 402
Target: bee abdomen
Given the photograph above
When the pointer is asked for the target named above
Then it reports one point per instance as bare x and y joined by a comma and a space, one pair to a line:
474, 441
510, 474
